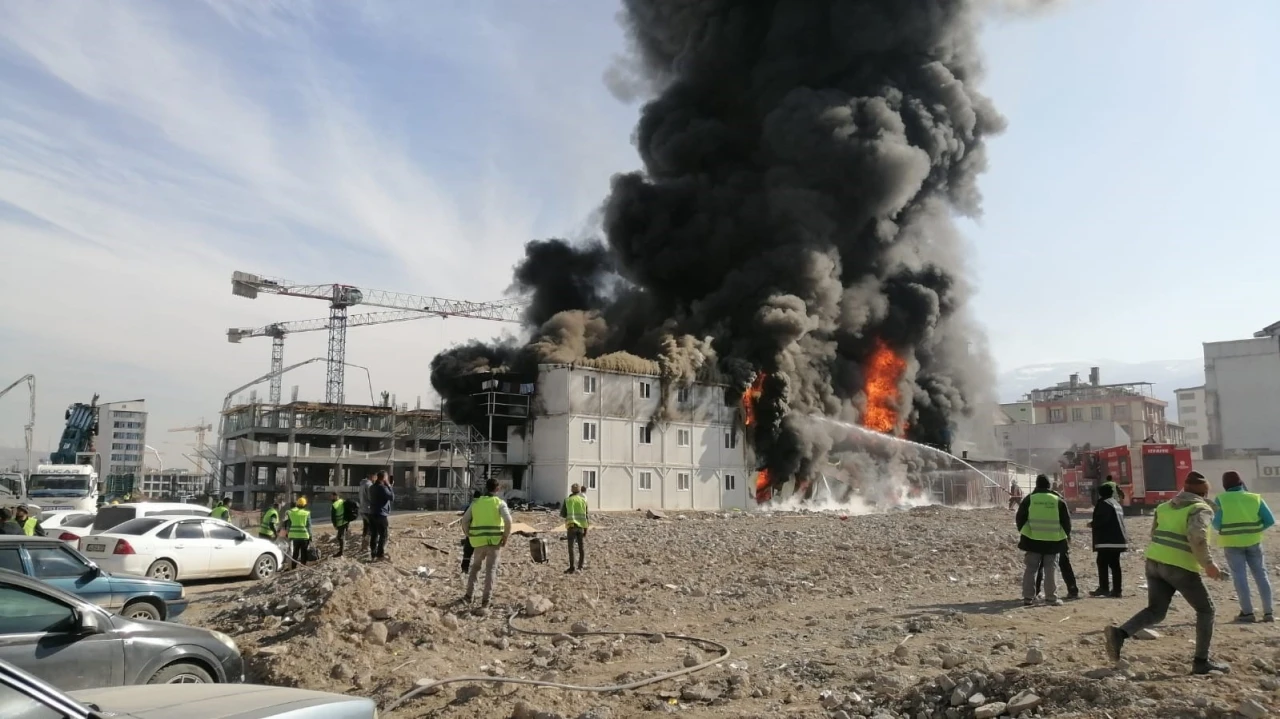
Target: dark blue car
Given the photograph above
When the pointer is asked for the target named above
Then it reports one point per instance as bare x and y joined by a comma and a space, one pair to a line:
54, 562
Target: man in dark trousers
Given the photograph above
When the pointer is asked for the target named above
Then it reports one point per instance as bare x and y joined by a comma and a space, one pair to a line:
467, 549
338, 517
1110, 540
1044, 523
380, 498
365, 525
1177, 558
574, 511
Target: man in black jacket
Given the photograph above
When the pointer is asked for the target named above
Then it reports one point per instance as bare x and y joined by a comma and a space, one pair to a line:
1044, 523
1110, 540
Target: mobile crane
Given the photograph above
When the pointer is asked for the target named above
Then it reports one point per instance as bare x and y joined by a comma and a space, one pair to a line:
70, 481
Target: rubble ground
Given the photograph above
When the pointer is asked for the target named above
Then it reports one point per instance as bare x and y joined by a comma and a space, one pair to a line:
913, 614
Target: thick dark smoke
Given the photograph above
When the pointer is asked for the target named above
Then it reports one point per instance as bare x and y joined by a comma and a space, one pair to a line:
803, 161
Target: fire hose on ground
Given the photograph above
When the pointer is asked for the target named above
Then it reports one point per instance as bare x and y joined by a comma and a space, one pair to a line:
608, 689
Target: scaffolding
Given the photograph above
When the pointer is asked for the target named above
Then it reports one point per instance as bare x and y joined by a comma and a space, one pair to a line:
505, 402
274, 452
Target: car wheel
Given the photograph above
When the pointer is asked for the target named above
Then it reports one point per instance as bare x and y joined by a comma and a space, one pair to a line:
142, 610
264, 567
162, 569
181, 673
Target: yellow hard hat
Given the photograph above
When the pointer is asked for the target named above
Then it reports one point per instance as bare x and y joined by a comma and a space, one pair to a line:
302, 501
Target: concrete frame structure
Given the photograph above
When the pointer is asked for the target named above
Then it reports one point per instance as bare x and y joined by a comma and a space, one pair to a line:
1193, 415
174, 484
273, 452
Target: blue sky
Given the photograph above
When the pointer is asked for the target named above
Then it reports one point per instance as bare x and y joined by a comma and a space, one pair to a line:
149, 148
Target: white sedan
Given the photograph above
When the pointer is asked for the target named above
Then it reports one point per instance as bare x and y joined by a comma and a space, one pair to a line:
67, 526
176, 548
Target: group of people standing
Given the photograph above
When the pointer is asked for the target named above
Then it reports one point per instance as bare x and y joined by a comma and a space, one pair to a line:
373, 507
1177, 557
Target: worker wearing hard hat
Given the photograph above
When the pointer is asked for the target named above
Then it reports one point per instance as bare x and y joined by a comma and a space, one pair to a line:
297, 526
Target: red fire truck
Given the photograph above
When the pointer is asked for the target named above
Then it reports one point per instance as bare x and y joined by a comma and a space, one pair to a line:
1155, 478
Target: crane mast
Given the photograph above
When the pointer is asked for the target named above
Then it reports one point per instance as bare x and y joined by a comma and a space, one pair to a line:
341, 298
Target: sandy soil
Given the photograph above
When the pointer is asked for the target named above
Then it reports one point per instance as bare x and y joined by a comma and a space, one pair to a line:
825, 615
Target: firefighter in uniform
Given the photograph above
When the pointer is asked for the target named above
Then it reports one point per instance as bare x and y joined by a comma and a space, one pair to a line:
1176, 557
338, 515
270, 525
298, 526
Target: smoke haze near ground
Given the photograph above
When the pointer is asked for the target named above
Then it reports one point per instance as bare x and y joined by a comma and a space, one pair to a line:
803, 162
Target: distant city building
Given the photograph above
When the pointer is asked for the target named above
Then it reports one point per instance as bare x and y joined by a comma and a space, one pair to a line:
1019, 412
1132, 405
121, 442
1193, 415
174, 484
1242, 395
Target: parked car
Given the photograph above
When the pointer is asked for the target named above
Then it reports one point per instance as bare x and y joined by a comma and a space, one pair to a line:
73, 644
70, 529
52, 561
176, 548
23, 696
49, 520
116, 514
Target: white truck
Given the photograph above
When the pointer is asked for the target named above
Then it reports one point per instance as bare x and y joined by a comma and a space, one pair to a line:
63, 488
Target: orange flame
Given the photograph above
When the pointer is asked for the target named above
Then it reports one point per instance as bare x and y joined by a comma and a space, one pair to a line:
750, 397
763, 491
883, 370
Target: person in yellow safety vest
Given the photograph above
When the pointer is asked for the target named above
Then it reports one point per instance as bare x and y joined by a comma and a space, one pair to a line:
1240, 517
223, 510
1044, 523
574, 511
1178, 553
487, 525
30, 525
270, 525
297, 526
338, 515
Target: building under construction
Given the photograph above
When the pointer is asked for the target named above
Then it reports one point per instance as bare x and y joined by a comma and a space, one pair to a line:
279, 451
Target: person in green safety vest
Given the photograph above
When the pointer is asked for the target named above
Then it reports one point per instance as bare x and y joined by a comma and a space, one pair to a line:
1044, 523
1115, 490
223, 510
574, 511
30, 525
1240, 517
270, 525
297, 527
1178, 553
338, 515
487, 525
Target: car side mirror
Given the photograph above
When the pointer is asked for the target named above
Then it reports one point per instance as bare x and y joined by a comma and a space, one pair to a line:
94, 570
241, 537
87, 623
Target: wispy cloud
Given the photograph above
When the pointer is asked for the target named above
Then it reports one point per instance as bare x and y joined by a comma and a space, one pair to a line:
147, 149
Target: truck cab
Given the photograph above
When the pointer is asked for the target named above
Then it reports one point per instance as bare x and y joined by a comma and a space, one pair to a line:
64, 488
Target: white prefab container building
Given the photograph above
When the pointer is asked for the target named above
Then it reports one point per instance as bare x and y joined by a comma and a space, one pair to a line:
604, 430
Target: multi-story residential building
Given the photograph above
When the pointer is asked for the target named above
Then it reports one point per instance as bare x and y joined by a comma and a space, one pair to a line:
121, 442
1242, 395
1132, 405
1193, 415
610, 432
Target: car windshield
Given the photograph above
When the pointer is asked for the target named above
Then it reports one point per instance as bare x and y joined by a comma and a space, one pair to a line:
58, 485
109, 517
138, 526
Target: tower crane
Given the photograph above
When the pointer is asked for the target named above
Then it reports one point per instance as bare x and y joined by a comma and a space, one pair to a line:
342, 297
278, 330
200, 430
30, 426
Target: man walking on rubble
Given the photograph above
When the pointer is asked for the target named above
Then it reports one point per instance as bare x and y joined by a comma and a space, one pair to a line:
365, 485
338, 517
1044, 523
1178, 553
574, 511
487, 524
297, 526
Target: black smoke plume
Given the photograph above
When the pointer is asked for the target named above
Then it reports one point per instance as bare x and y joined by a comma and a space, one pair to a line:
803, 161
